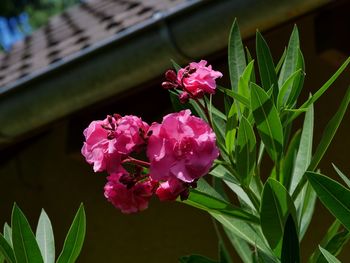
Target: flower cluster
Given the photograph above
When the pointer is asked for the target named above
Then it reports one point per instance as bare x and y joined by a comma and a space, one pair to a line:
179, 150
194, 80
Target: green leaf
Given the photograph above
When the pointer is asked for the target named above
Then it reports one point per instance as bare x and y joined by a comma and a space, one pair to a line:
303, 157
280, 62
290, 244
74, 239
322, 90
231, 128
342, 176
6, 250
268, 122
290, 62
241, 246
329, 257
244, 80
8, 234
236, 56
306, 209
24, 244
196, 259
334, 196
45, 239
298, 81
213, 204
236, 96
330, 131
331, 233
281, 99
266, 66
249, 59
245, 231
289, 160
176, 66
276, 205
245, 151
335, 245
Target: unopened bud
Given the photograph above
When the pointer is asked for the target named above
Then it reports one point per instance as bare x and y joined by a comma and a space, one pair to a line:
184, 97
168, 85
170, 75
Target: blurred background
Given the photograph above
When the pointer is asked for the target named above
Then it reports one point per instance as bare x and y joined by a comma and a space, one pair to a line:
64, 63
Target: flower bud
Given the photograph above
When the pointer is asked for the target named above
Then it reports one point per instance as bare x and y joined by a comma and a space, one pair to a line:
170, 75
168, 85
184, 97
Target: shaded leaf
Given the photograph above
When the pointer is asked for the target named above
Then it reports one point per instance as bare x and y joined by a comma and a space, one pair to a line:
281, 99
6, 250
268, 122
306, 209
266, 66
24, 244
280, 62
196, 259
276, 205
334, 196
245, 151
241, 246
290, 244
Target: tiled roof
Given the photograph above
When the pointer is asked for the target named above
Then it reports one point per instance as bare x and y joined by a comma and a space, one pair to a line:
80, 27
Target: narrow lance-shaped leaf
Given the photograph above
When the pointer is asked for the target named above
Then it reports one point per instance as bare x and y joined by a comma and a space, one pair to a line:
8, 234
266, 66
290, 244
224, 255
289, 160
306, 209
6, 250
290, 62
45, 239
334, 196
212, 204
236, 56
304, 154
330, 131
268, 122
244, 80
24, 244
322, 90
280, 62
329, 257
342, 176
241, 246
245, 151
74, 239
276, 205
298, 81
281, 99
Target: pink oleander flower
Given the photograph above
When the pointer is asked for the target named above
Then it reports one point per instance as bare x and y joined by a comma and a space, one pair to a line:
198, 78
109, 141
182, 147
171, 189
98, 150
128, 199
129, 134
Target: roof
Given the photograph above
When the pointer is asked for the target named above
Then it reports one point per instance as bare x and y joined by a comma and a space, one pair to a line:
79, 28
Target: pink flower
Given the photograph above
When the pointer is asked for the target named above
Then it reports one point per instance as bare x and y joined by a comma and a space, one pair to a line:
128, 200
171, 189
109, 141
182, 147
129, 134
197, 78
98, 149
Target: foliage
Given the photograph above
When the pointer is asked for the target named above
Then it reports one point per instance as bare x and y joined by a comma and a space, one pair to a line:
18, 244
272, 216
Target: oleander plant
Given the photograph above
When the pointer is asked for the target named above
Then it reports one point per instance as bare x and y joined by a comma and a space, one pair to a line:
211, 156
